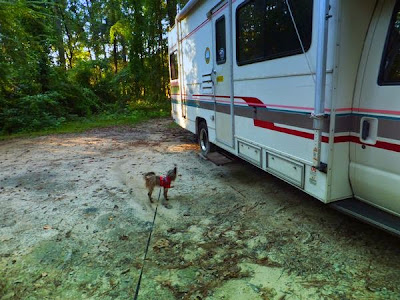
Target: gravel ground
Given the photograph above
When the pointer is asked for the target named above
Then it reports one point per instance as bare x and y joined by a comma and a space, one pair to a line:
75, 219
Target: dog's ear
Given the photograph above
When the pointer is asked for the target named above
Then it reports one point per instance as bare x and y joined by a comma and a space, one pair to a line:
175, 170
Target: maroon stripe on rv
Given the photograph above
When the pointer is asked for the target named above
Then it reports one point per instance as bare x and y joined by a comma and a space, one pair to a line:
345, 139
252, 101
306, 135
272, 126
387, 146
338, 139
269, 125
325, 139
379, 144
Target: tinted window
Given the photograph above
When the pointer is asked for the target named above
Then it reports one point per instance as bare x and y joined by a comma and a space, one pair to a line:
173, 65
390, 67
264, 29
220, 43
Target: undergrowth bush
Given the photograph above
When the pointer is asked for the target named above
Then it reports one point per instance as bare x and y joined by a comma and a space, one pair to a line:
33, 113
48, 109
89, 89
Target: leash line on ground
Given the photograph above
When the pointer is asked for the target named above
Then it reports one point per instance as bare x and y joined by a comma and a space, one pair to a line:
147, 249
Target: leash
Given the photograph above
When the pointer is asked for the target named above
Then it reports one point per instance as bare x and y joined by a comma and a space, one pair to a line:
147, 249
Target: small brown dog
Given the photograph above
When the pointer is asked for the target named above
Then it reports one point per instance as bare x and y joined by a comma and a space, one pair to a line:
152, 180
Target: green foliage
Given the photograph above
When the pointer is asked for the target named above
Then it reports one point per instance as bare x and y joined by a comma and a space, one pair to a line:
120, 28
126, 117
67, 59
32, 113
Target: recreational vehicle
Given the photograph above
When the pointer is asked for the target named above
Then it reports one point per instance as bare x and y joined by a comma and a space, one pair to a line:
307, 90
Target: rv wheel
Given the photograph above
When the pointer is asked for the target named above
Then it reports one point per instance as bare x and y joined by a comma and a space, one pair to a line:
205, 145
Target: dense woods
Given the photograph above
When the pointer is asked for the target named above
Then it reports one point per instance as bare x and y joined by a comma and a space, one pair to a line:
65, 59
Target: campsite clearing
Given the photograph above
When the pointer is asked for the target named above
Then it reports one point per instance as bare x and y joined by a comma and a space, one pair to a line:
75, 218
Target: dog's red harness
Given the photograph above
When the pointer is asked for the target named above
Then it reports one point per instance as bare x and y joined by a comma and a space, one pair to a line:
165, 182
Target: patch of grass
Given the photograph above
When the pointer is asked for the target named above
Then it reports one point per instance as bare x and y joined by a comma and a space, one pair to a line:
133, 115
173, 125
148, 105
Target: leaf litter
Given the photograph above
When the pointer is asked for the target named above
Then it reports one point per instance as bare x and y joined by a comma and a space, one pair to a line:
75, 220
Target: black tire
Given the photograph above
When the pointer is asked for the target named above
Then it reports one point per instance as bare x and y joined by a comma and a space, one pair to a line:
204, 143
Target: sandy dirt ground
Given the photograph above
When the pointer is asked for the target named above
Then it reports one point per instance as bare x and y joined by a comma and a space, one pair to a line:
75, 219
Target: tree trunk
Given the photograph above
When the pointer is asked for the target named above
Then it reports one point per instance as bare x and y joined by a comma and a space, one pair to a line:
105, 51
171, 11
60, 44
115, 52
92, 39
70, 45
124, 52
60, 34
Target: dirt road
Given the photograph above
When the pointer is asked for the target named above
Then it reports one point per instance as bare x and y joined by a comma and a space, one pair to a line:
74, 222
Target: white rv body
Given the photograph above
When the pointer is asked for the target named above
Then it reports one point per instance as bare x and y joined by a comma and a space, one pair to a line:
262, 109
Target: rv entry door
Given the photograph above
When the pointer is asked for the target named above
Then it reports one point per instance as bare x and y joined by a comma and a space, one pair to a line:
375, 148
223, 85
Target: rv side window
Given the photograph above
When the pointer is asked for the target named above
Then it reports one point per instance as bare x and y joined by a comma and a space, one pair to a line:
390, 66
220, 40
265, 30
173, 65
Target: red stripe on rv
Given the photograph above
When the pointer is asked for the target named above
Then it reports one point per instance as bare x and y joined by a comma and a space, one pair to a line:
252, 101
386, 146
272, 126
307, 135
325, 139
379, 144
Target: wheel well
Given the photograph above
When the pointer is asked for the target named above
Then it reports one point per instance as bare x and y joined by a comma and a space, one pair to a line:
198, 122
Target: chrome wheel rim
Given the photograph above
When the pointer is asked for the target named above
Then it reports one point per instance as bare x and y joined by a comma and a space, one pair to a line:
203, 140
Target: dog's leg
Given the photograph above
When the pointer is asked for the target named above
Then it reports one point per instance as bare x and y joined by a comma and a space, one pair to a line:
150, 193
166, 194
165, 201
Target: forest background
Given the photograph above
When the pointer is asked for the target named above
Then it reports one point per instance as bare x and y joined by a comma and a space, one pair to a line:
64, 61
